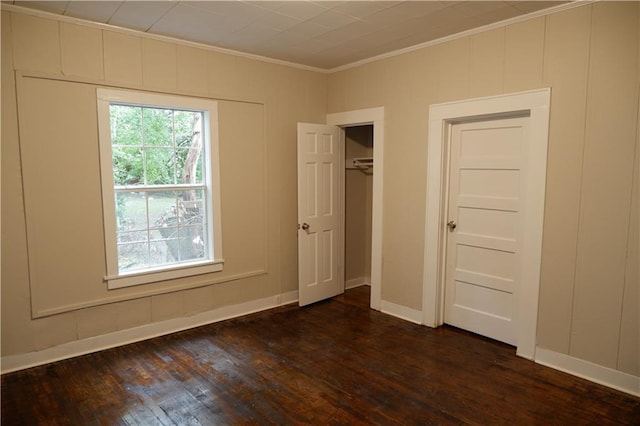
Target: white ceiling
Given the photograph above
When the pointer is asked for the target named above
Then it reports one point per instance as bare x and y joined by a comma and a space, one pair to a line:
321, 34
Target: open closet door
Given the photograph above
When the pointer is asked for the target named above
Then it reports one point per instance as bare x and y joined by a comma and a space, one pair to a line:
318, 212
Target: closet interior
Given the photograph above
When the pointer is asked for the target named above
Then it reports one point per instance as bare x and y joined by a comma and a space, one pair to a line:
359, 169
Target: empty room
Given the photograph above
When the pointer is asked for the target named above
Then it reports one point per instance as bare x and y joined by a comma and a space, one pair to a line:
320, 212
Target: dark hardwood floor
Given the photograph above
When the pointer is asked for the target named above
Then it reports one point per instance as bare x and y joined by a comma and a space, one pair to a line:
335, 362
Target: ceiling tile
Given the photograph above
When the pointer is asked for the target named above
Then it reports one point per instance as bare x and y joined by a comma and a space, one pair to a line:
445, 17
318, 44
301, 10
140, 15
300, 33
97, 11
268, 5
362, 9
474, 8
349, 32
189, 23
233, 10
48, 6
405, 11
226, 17
332, 19
251, 36
277, 21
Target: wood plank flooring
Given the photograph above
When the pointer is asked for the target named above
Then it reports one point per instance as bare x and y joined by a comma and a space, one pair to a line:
335, 362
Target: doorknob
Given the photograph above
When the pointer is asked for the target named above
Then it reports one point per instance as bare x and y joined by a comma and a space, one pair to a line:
451, 225
305, 226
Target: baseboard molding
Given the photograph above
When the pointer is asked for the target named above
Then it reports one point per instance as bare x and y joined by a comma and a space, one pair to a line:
596, 373
94, 344
402, 312
357, 282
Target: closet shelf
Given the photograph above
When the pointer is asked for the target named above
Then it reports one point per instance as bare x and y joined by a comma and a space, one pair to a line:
359, 163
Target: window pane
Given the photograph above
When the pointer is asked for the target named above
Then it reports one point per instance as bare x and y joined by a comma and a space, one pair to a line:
159, 253
162, 209
131, 211
192, 243
189, 165
126, 125
133, 237
184, 127
127, 166
191, 207
165, 240
162, 234
158, 127
160, 166
133, 256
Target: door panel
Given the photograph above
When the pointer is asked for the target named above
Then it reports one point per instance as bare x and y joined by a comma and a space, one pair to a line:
483, 248
318, 219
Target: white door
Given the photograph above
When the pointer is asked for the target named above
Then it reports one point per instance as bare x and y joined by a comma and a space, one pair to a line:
486, 190
318, 212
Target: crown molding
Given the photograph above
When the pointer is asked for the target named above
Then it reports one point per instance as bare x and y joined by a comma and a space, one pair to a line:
114, 28
467, 33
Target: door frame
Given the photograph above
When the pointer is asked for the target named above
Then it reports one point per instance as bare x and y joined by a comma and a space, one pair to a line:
375, 117
536, 104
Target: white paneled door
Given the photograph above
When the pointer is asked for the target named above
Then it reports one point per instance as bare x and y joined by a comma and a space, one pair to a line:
318, 212
486, 184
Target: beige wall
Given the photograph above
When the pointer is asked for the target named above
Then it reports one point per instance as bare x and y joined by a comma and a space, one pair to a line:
52, 236
589, 57
358, 205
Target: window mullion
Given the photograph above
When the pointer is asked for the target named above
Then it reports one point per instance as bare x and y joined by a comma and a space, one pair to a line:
143, 147
158, 188
173, 144
146, 198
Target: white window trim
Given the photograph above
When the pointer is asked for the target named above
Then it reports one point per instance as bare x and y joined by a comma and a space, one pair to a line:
114, 278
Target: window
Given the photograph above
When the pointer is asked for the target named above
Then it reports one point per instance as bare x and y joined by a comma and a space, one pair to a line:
160, 186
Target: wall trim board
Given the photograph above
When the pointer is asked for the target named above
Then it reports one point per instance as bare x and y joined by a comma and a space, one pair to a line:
21, 73
13, 363
357, 282
41, 313
402, 312
595, 373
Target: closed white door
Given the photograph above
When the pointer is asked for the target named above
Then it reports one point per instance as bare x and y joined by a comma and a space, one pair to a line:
318, 215
486, 190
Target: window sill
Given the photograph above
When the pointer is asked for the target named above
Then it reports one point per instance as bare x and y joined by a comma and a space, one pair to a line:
152, 276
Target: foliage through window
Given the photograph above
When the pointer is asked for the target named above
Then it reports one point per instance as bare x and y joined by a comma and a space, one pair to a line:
160, 180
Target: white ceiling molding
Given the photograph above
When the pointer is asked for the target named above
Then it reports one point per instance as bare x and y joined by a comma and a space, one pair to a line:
308, 33
78, 21
488, 27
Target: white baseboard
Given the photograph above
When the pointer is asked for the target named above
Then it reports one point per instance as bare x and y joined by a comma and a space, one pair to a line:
402, 312
286, 298
596, 373
593, 372
119, 338
356, 282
